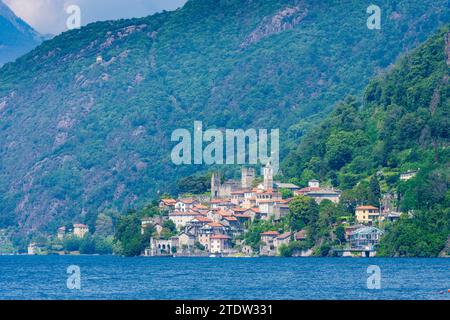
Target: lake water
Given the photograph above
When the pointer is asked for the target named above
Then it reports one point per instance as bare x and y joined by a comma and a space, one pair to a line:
110, 277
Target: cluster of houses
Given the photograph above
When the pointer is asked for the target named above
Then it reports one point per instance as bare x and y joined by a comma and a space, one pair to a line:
78, 230
212, 225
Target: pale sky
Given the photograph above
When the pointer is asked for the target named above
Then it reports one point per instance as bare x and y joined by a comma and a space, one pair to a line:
49, 16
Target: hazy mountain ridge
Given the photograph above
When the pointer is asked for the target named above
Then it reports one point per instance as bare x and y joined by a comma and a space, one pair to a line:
86, 118
16, 36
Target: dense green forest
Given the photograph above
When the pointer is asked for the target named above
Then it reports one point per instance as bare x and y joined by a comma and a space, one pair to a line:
403, 123
86, 118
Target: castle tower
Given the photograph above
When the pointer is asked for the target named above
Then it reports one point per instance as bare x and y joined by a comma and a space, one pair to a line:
247, 177
215, 185
268, 176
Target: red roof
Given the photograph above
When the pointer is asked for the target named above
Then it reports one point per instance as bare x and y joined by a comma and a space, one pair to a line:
200, 206
169, 201
180, 213
301, 235
366, 208
79, 225
203, 219
270, 233
215, 225
220, 237
284, 235
230, 218
187, 201
307, 189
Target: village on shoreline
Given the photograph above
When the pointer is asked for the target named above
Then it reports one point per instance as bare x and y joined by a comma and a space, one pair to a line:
215, 225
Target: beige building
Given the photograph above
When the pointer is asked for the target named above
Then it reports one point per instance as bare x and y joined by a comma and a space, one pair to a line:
284, 238
184, 205
367, 214
219, 243
182, 218
80, 230
61, 233
267, 247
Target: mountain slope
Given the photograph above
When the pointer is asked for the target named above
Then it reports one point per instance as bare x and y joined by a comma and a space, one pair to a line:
80, 133
403, 124
16, 36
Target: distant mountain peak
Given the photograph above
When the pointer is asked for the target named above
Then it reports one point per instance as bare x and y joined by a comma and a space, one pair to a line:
16, 36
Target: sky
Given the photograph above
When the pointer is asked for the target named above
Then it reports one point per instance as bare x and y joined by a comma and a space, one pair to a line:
49, 16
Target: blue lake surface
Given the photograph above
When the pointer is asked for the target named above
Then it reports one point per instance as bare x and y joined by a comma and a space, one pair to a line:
111, 277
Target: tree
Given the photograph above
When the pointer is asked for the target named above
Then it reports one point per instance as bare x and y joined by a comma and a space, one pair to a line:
170, 225
340, 233
103, 225
303, 211
87, 245
128, 232
374, 192
286, 193
72, 243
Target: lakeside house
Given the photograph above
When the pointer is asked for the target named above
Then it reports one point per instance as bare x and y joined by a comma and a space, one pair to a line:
80, 230
365, 238
267, 247
219, 243
61, 233
367, 214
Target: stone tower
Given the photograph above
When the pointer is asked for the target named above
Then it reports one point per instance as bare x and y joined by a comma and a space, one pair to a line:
268, 176
215, 185
247, 177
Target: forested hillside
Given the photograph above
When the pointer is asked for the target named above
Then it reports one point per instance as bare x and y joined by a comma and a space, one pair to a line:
86, 118
402, 124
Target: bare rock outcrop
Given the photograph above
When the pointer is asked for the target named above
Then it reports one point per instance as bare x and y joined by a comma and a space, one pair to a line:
283, 20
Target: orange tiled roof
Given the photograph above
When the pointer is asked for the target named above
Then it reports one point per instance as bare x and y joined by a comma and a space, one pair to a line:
169, 201
267, 201
300, 235
366, 208
203, 219
200, 206
307, 189
224, 213
79, 225
220, 237
180, 213
284, 235
230, 218
270, 233
187, 201
215, 225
